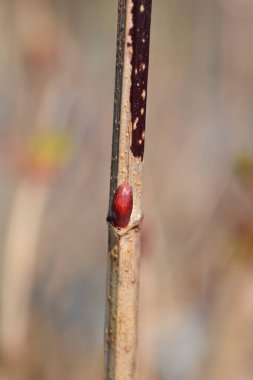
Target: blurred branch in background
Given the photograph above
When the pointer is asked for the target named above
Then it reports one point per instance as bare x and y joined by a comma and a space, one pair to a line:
18, 268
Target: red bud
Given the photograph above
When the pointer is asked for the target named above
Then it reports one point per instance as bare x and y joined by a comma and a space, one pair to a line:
122, 205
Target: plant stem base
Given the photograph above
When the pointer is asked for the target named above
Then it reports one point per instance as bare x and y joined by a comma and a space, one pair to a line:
122, 303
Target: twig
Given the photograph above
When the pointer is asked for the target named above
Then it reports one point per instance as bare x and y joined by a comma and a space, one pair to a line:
125, 211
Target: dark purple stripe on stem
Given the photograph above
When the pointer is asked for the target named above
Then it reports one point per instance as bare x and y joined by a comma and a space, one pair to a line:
140, 33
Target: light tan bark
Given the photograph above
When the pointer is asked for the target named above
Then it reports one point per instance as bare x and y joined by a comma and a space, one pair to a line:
121, 325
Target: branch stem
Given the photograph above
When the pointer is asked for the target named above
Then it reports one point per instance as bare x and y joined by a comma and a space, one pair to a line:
121, 324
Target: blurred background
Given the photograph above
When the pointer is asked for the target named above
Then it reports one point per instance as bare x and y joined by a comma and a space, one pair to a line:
56, 101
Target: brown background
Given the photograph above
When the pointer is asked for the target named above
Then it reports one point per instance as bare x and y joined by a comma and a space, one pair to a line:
56, 79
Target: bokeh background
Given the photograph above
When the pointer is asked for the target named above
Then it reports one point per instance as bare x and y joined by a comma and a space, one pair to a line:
56, 101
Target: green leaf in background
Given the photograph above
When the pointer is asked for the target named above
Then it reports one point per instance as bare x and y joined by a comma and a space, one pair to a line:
49, 148
244, 167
